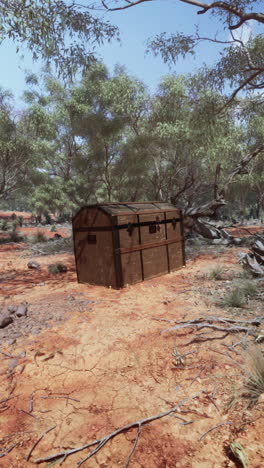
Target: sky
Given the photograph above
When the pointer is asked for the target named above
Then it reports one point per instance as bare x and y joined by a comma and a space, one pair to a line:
136, 25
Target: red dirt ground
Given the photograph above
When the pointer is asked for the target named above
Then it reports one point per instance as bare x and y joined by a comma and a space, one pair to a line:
107, 363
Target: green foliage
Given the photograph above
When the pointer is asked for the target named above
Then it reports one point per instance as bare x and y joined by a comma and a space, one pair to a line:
3, 225
58, 32
14, 236
107, 139
15, 149
53, 228
20, 220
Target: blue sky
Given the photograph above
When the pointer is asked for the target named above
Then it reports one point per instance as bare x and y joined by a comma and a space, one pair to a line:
136, 26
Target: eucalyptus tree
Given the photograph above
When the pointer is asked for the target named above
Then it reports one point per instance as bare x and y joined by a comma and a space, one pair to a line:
241, 61
60, 32
109, 118
16, 149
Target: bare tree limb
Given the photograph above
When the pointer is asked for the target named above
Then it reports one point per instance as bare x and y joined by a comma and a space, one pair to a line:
205, 7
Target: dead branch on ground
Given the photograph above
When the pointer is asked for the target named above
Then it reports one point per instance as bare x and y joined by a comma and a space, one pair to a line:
39, 439
215, 427
103, 440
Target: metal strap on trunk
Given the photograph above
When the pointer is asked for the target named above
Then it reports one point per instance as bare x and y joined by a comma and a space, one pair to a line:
128, 226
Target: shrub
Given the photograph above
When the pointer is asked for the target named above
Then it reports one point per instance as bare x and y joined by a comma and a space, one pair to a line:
254, 385
48, 219
20, 220
53, 228
14, 225
14, 236
233, 298
250, 288
13, 216
39, 237
56, 268
216, 273
4, 225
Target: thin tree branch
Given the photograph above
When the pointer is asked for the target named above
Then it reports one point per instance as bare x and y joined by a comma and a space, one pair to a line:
101, 442
37, 441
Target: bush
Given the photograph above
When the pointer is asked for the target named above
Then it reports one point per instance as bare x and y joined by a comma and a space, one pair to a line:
39, 237
53, 228
233, 298
254, 385
48, 219
250, 288
14, 236
56, 268
216, 273
3, 225
13, 216
20, 220
14, 225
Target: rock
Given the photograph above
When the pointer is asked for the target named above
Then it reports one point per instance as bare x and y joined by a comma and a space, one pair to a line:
42, 284
11, 342
13, 363
5, 320
12, 309
21, 311
34, 265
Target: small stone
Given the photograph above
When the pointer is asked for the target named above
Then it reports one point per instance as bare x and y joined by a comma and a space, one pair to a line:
42, 284
5, 320
34, 265
21, 311
13, 363
11, 342
12, 309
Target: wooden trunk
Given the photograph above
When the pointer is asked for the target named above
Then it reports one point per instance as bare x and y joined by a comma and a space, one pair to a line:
125, 243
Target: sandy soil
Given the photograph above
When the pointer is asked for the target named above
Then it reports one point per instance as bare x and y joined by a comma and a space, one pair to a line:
89, 360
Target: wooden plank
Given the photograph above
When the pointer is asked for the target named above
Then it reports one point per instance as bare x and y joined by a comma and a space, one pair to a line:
128, 240
176, 256
94, 251
155, 262
151, 245
131, 268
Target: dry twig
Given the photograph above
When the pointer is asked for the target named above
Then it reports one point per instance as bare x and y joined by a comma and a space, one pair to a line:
215, 427
39, 439
103, 440
3, 454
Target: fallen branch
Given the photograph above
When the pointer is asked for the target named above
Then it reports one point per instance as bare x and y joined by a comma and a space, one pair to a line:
3, 454
59, 396
37, 441
134, 447
7, 355
215, 427
27, 412
101, 442
199, 326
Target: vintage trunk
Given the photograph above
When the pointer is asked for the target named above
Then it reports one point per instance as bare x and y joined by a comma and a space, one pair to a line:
124, 243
